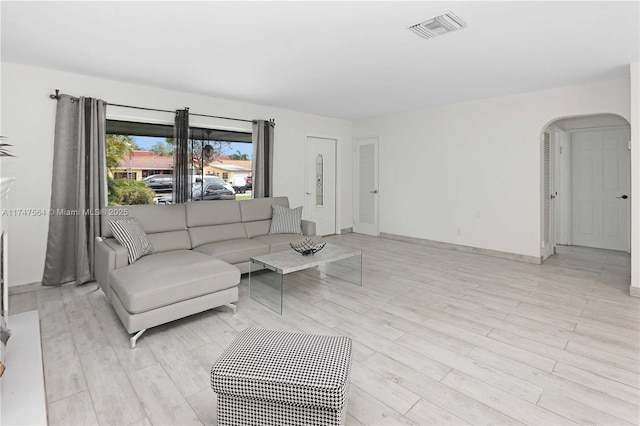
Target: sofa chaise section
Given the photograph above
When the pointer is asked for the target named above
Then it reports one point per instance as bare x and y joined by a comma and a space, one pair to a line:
167, 286
172, 283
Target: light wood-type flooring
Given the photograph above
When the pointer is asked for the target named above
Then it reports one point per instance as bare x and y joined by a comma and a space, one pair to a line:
440, 337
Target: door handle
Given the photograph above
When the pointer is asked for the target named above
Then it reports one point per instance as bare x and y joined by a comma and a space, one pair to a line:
375, 191
308, 193
624, 197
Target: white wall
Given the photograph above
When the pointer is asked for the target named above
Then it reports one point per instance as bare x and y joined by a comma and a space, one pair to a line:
635, 178
28, 117
475, 167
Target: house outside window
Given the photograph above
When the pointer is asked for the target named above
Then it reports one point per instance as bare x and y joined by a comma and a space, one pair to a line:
140, 160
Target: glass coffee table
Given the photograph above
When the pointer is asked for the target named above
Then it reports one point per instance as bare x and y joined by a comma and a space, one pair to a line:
268, 272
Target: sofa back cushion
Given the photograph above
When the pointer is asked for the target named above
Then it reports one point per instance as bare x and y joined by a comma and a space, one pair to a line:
165, 224
201, 235
205, 213
256, 214
168, 241
213, 221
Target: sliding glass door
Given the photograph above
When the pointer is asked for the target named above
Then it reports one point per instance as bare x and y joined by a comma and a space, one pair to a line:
140, 163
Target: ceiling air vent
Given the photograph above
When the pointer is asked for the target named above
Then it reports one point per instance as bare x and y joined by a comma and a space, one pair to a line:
443, 24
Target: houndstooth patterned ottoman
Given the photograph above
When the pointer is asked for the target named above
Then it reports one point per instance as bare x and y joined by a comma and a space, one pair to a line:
269, 377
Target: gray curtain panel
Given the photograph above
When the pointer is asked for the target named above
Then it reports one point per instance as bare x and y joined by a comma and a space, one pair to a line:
181, 181
78, 190
262, 158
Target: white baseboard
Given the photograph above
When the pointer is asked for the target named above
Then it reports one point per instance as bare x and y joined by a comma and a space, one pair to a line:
24, 288
467, 249
634, 291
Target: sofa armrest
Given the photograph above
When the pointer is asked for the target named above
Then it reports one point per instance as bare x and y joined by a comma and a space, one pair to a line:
109, 256
308, 227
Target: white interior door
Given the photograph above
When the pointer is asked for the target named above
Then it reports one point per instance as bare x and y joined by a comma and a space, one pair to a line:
366, 190
548, 196
601, 183
562, 204
320, 188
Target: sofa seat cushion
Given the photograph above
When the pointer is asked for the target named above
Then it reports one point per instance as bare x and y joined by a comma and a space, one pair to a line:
162, 279
234, 251
280, 242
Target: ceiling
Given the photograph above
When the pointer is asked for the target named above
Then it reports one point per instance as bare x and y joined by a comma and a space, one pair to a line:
333, 58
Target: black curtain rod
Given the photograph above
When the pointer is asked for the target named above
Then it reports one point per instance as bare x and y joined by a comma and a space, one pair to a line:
57, 96
223, 118
142, 108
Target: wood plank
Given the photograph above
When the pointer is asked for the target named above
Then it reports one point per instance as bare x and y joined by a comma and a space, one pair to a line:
417, 361
186, 373
583, 414
613, 373
605, 357
559, 385
114, 400
586, 378
130, 360
63, 373
161, 399
503, 348
75, 409
511, 384
418, 330
383, 389
374, 325
86, 330
503, 401
50, 306
445, 397
426, 413
205, 404
207, 355
368, 410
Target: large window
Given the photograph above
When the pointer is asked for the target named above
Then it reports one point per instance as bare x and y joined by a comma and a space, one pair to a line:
140, 163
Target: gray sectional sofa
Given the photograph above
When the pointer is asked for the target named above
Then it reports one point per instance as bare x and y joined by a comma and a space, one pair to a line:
200, 250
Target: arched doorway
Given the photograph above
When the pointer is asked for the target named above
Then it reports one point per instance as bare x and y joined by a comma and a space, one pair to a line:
586, 183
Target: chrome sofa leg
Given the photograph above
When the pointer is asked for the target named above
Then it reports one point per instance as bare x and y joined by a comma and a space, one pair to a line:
135, 337
232, 306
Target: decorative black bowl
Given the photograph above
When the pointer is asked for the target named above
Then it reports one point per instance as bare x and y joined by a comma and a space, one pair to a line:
307, 247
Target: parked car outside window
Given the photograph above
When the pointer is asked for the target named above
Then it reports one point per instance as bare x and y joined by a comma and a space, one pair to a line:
159, 181
212, 191
214, 179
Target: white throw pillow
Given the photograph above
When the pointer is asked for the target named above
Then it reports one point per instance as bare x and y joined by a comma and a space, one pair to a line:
129, 234
285, 220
